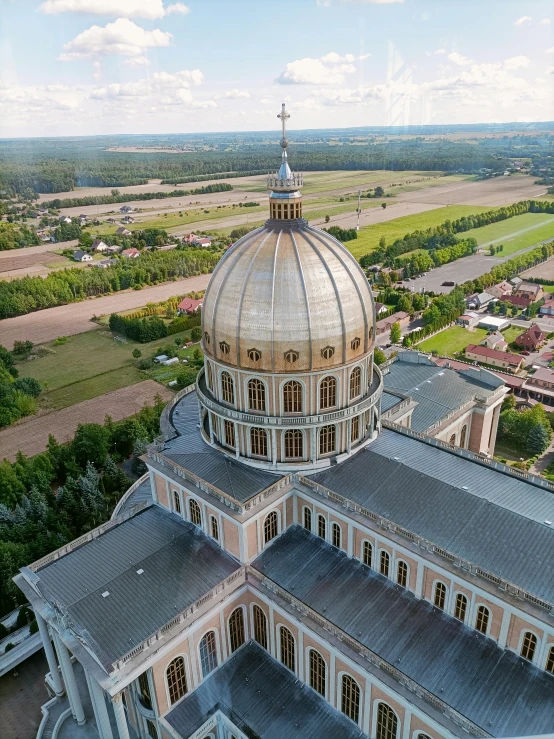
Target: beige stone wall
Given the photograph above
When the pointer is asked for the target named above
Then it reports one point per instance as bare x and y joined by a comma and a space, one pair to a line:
161, 490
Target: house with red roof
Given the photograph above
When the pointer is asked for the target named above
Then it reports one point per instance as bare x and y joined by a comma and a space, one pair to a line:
188, 306
531, 339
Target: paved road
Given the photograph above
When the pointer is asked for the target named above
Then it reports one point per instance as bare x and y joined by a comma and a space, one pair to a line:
75, 318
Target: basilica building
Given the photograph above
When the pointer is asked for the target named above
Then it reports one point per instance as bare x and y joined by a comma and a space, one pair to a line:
296, 563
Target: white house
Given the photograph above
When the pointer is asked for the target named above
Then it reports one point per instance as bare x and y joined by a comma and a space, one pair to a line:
81, 256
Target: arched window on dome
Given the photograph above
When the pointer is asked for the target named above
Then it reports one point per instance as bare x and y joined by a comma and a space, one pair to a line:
328, 393
256, 395
258, 442
327, 440
355, 382
227, 388
294, 444
292, 397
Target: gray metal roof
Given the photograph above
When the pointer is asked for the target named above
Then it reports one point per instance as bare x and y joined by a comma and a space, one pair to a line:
493, 688
497, 523
190, 451
180, 565
263, 699
437, 390
388, 401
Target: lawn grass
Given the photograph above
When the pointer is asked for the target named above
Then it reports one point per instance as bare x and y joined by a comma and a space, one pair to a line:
515, 233
512, 333
369, 236
452, 340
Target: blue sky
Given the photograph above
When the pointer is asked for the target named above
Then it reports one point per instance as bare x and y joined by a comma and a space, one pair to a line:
76, 67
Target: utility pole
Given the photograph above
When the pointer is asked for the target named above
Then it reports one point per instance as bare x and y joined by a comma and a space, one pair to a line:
359, 210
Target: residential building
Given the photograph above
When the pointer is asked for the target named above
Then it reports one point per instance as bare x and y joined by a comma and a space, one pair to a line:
531, 339
515, 281
131, 253
380, 308
105, 263
495, 340
65, 219
111, 220
99, 245
127, 219
504, 360
547, 309
539, 387
494, 323
81, 256
385, 324
520, 301
125, 209
498, 291
189, 306
122, 231
469, 319
113, 249
293, 565
480, 301
529, 290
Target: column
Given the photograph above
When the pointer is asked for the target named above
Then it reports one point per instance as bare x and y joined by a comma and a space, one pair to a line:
211, 427
99, 706
313, 432
120, 717
349, 436
50, 655
274, 448
237, 442
70, 682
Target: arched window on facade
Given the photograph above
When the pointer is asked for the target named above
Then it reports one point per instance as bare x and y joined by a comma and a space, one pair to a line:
327, 439
176, 679
214, 527
387, 723
144, 691
355, 382
176, 502
528, 646
209, 376
270, 526
151, 728
367, 551
350, 698
260, 626
294, 446
236, 629
440, 595
317, 672
482, 620
195, 514
208, 653
328, 393
258, 442
355, 429
227, 388
463, 437
336, 535
292, 397
230, 434
549, 667
307, 519
384, 563
402, 574
452, 440
423, 736
460, 608
288, 657
256, 395
321, 526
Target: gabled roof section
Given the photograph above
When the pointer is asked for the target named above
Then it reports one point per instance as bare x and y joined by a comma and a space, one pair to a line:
263, 699
493, 688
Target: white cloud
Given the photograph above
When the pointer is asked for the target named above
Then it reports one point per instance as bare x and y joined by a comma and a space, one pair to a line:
162, 87
235, 94
550, 70
522, 20
137, 61
440, 51
121, 37
330, 69
149, 9
550, 51
516, 62
545, 22
457, 58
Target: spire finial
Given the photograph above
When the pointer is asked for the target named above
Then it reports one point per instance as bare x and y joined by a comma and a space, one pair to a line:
284, 116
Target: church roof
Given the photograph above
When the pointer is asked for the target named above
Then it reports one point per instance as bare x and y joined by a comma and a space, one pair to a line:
491, 687
263, 699
179, 565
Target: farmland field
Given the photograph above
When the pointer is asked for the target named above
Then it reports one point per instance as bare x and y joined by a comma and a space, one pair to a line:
515, 233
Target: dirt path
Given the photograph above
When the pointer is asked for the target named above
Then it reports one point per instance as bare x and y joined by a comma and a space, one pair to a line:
31, 437
66, 320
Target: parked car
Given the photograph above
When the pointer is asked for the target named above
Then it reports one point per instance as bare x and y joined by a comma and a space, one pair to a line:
526, 353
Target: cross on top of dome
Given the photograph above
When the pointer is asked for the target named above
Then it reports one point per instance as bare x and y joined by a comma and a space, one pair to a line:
285, 179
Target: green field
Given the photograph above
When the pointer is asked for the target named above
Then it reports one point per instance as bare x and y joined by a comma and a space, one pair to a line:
515, 233
452, 340
369, 236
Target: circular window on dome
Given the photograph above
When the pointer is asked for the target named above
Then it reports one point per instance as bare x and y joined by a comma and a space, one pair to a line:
224, 346
328, 352
254, 354
291, 356
206, 337
355, 344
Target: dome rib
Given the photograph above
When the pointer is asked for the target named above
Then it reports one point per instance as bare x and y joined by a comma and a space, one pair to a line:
298, 261
273, 302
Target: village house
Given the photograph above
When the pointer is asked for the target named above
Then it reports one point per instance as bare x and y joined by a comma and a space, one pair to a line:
99, 245
127, 219
529, 290
531, 339
469, 319
380, 308
519, 301
547, 309
498, 291
504, 360
65, 219
113, 249
131, 253
385, 324
111, 220
189, 239
495, 341
105, 263
479, 301
189, 306
125, 209
81, 256
121, 231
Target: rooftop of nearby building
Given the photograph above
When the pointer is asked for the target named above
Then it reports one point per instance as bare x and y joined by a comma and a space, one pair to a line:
263, 699
494, 688
543, 374
484, 351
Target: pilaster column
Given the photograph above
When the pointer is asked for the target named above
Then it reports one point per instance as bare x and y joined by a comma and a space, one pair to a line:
99, 707
313, 432
50, 655
70, 682
211, 427
274, 448
349, 435
120, 717
237, 441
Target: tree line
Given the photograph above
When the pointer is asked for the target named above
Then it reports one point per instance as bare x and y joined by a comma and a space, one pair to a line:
17, 235
17, 394
150, 328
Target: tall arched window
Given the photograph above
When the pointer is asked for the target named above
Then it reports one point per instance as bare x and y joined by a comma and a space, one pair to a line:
355, 382
256, 395
440, 595
402, 574
452, 440
350, 698
482, 620
195, 514
366, 553
270, 526
236, 629
387, 723
176, 679
460, 609
209, 376
327, 439
288, 657
317, 672
328, 393
144, 691
321, 526
307, 519
208, 653
260, 626
463, 437
258, 442
336, 535
227, 388
528, 646
230, 433
549, 667
214, 527
176, 502
292, 397
294, 446
384, 562
151, 728
355, 429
